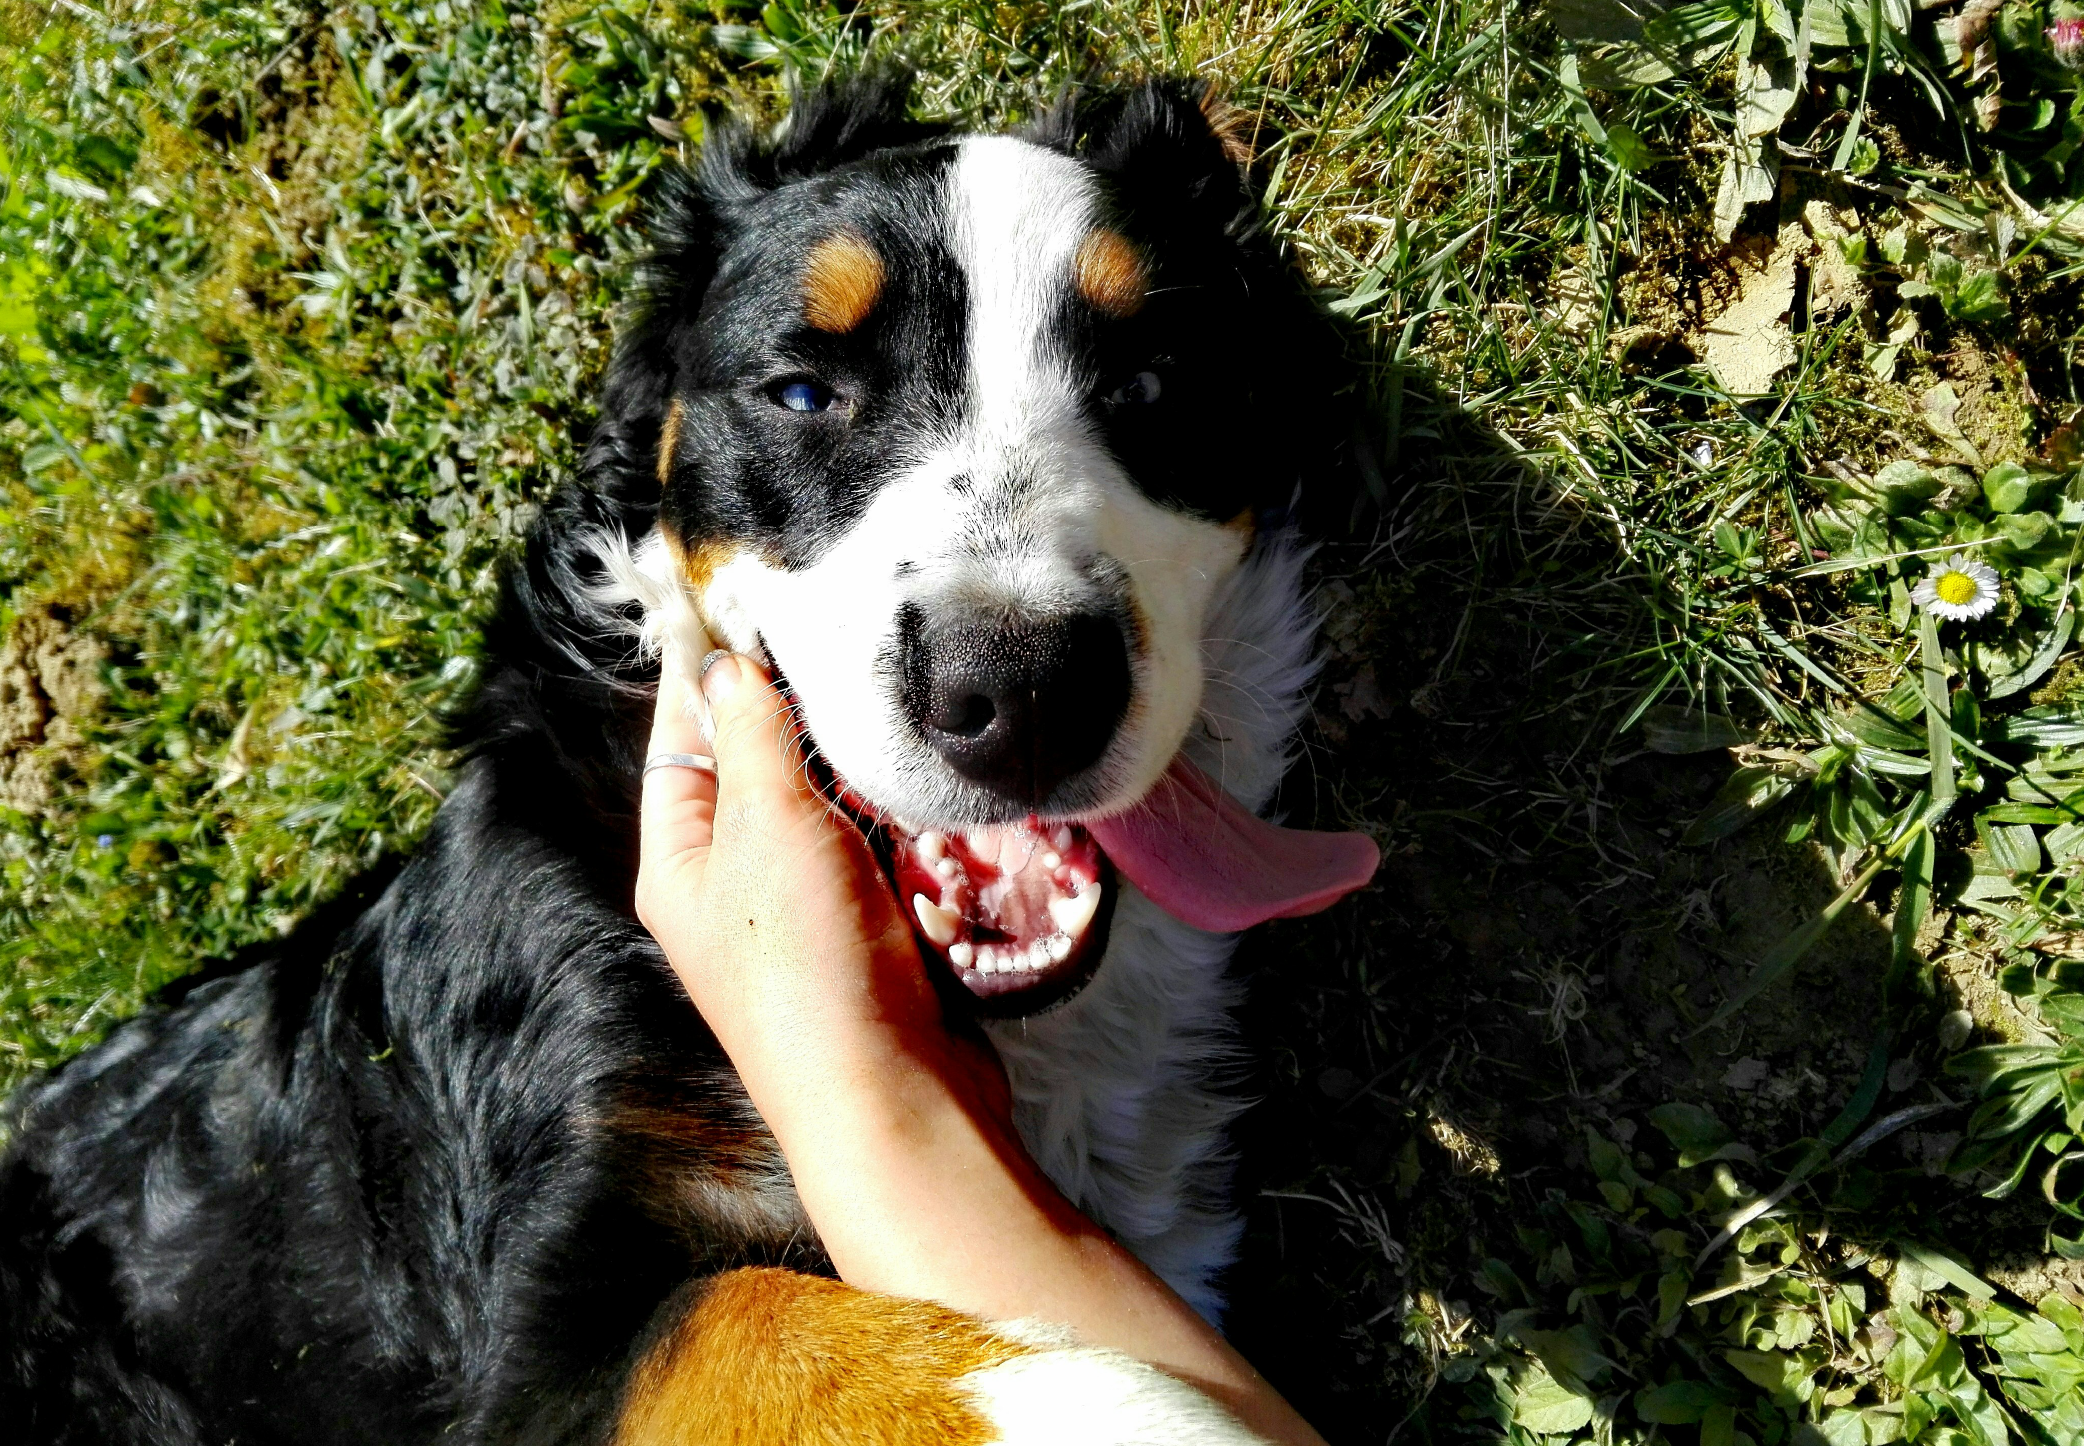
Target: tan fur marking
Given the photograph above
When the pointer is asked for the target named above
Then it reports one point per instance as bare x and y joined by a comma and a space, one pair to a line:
1109, 272
841, 282
697, 564
703, 1172
1235, 130
668, 440
771, 1358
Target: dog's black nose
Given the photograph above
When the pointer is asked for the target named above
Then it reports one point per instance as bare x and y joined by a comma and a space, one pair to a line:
1021, 706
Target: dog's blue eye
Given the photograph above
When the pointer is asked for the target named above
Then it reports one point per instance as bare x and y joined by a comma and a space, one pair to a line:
1143, 387
806, 397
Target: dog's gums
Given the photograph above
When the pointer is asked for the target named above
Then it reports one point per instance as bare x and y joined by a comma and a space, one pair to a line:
1010, 908
1016, 912
1019, 911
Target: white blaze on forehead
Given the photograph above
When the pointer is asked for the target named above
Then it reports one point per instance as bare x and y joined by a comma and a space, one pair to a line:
1017, 213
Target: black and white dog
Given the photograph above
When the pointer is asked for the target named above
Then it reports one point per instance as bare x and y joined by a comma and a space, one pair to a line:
988, 443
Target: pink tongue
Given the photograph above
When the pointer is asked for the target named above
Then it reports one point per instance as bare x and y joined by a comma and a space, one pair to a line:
1198, 855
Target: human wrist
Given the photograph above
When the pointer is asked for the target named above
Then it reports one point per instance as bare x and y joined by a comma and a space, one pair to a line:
881, 1092
897, 1176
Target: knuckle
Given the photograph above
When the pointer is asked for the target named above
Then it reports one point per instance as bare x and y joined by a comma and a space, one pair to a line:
647, 898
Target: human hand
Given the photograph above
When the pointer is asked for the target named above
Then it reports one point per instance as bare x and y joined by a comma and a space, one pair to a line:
776, 916
897, 1127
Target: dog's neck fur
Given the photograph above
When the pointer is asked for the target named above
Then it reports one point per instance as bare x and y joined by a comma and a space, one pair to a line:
1119, 1093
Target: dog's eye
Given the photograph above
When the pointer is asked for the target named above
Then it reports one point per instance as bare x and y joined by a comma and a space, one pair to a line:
1143, 387
806, 397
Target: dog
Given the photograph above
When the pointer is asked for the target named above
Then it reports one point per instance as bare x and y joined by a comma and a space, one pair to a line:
990, 445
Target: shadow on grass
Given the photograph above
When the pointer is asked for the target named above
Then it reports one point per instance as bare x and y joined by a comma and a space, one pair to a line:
1536, 960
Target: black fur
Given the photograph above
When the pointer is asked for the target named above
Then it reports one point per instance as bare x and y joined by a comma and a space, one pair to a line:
429, 1168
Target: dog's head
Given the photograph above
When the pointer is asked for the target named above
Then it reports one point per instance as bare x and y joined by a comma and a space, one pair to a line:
965, 433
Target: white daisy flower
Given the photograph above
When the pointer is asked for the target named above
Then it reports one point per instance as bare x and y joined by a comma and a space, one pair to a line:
1958, 588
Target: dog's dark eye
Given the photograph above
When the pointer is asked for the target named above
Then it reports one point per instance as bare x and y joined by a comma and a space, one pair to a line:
1143, 387
806, 397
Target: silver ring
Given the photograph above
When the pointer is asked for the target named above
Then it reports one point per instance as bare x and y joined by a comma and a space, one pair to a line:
700, 762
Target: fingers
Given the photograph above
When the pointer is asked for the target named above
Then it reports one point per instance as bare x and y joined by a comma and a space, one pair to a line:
758, 756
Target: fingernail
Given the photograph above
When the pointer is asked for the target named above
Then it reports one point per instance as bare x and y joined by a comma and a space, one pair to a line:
719, 675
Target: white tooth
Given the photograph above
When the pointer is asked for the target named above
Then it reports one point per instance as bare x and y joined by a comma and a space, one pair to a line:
1038, 954
939, 923
1059, 947
961, 955
1052, 861
1061, 838
931, 846
1074, 913
945, 868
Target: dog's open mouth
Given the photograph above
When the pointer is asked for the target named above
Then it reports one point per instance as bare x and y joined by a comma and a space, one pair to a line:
1019, 912
1019, 909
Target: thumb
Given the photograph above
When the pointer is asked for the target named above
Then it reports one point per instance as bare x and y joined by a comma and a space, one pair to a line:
678, 809
783, 851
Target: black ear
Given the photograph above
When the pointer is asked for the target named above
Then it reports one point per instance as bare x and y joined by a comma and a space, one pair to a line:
685, 230
1171, 141
827, 126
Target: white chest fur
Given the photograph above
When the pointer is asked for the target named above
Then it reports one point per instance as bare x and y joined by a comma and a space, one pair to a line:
1121, 1093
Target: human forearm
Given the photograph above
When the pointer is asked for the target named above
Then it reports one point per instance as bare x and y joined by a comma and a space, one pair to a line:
898, 1170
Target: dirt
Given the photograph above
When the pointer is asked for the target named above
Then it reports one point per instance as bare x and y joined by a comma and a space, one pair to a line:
1738, 306
1966, 396
2032, 1278
50, 683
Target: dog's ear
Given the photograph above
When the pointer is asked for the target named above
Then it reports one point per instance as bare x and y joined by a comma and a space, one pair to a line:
827, 126
1181, 162
1174, 143
685, 232
844, 120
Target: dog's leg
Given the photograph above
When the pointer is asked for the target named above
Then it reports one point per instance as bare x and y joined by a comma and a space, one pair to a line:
765, 1357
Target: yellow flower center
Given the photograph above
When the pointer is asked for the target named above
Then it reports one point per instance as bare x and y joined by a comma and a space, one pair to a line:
1955, 587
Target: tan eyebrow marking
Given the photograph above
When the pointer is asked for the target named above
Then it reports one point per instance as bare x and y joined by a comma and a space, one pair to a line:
1109, 272
841, 282
668, 439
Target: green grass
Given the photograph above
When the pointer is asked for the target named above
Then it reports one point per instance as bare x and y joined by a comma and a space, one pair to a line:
299, 309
